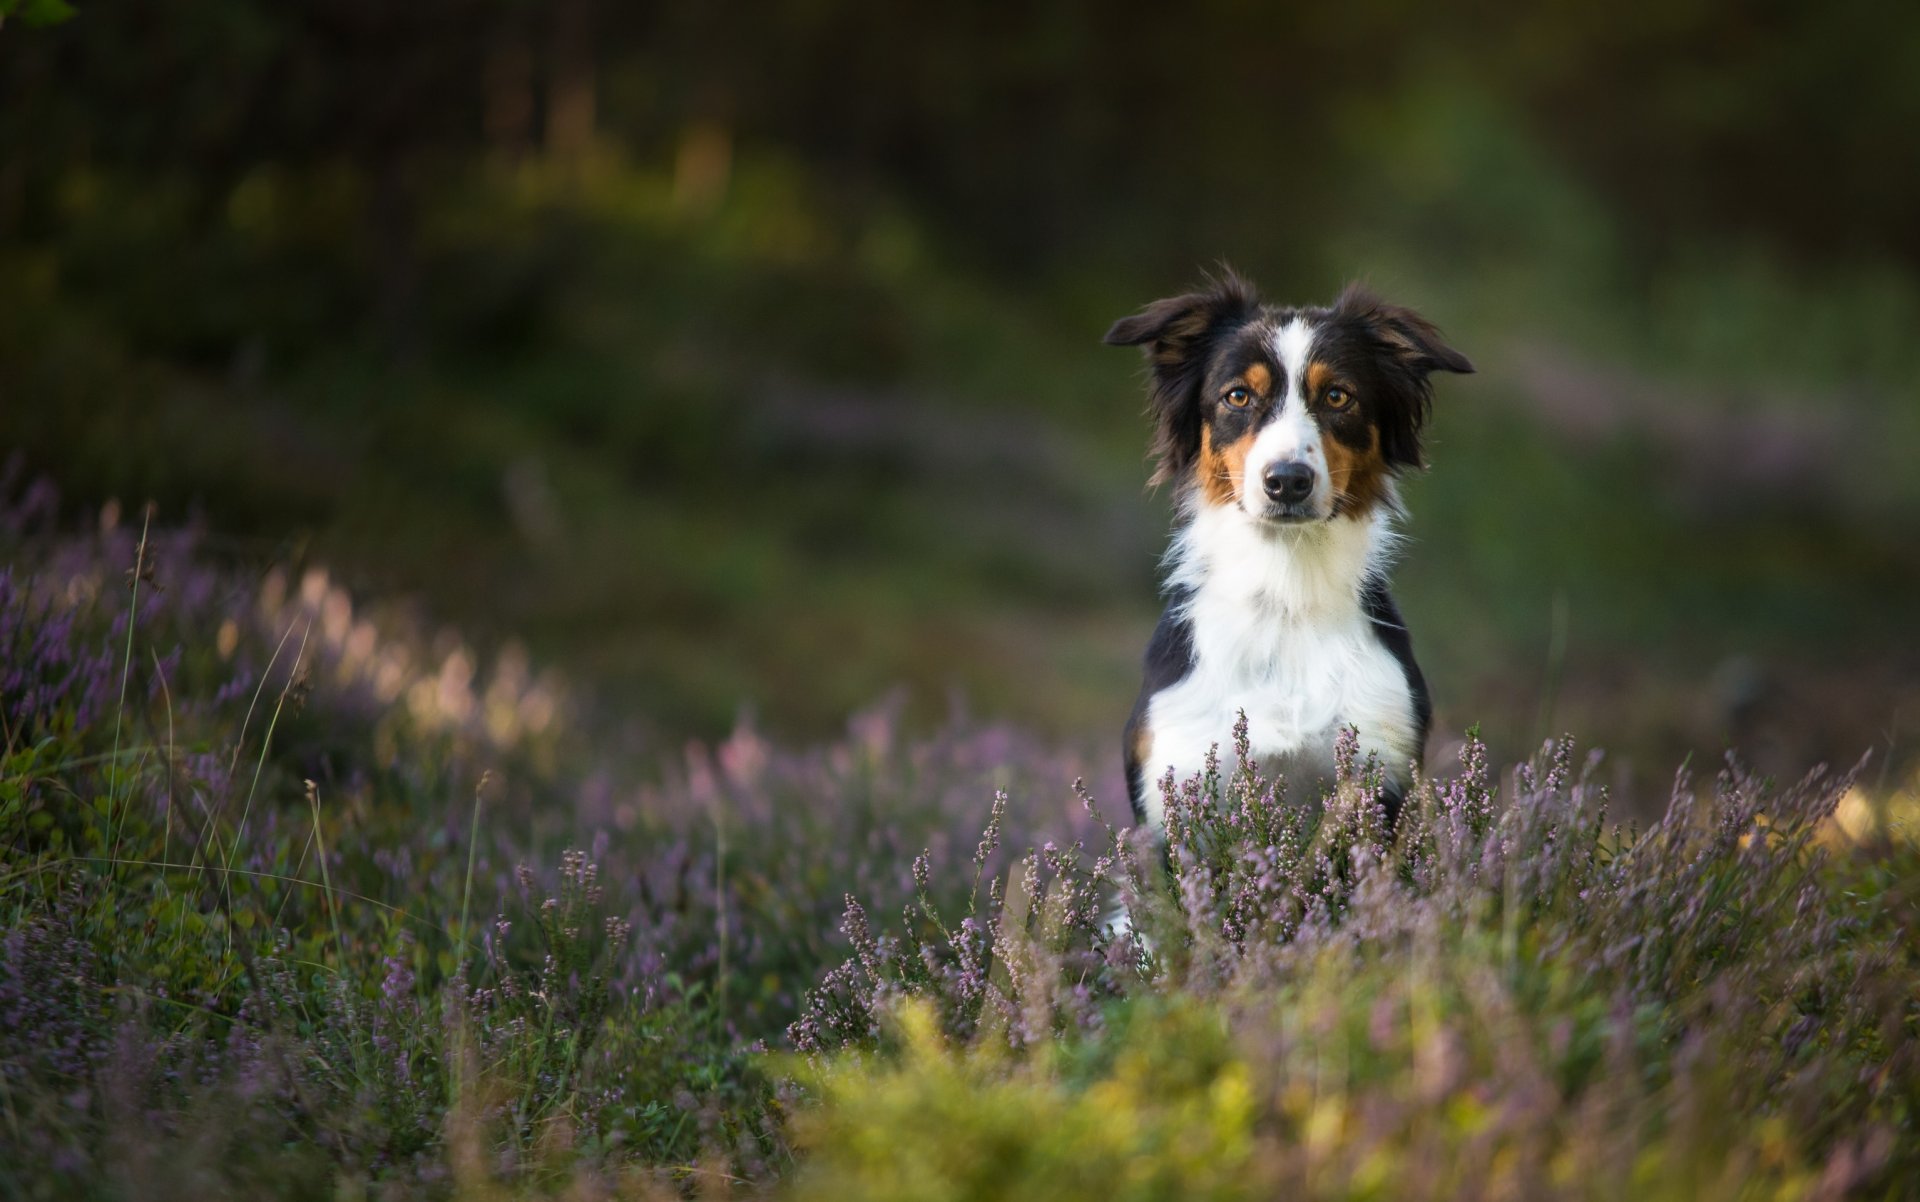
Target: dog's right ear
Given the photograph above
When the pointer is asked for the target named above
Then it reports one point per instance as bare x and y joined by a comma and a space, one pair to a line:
1177, 333
1177, 325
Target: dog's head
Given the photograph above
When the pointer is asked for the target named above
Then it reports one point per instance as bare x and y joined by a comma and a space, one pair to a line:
1290, 415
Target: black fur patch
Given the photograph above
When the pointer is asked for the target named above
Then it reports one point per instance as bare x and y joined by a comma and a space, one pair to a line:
1168, 660
1391, 629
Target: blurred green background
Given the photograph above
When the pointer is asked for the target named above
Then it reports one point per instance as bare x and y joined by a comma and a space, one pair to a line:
747, 357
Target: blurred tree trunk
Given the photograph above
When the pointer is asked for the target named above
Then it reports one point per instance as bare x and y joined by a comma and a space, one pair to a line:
570, 81
13, 196
702, 167
392, 219
509, 98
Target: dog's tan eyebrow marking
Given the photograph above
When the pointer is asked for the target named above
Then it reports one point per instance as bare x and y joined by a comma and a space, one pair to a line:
1319, 375
1258, 378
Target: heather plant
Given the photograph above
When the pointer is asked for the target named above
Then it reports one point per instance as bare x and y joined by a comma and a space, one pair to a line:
303, 898
1025, 958
1502, 996
196, 927
240, 810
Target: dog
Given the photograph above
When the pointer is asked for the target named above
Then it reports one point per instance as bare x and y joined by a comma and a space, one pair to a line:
1285, 433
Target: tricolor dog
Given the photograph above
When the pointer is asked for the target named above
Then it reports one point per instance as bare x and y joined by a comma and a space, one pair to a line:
1285, 432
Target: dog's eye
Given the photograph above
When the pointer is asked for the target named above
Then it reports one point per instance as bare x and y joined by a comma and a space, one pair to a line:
1338, 397
1239, 398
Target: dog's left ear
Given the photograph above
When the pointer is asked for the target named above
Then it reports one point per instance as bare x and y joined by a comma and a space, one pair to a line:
1410, 338
1410, 350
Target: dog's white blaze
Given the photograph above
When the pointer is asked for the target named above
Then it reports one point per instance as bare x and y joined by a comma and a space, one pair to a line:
1278, 631
1291, 434
1292, 343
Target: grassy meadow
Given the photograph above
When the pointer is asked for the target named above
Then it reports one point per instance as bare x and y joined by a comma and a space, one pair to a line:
303, 901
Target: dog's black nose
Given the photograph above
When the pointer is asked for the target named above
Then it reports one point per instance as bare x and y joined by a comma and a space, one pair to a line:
1289, 483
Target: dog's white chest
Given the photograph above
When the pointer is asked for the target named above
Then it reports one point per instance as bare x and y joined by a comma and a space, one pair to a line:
1296, 703
1278, 632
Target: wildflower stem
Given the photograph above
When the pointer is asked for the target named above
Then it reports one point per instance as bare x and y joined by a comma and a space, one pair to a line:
473, 845
326, 878
207, 828
266, 743
160, 674
720, 898
126, 671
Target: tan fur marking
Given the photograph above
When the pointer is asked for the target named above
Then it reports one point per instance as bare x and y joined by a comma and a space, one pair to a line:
1142, 745
1319, 375
1259, 379
1220, 468
1359, 477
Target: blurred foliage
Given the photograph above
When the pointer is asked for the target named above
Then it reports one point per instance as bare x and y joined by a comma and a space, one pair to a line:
1044, 131
36, 13
754, 363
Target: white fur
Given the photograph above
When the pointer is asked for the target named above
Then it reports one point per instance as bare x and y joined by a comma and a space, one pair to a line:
1278, 631
1290, 434
1292, 344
